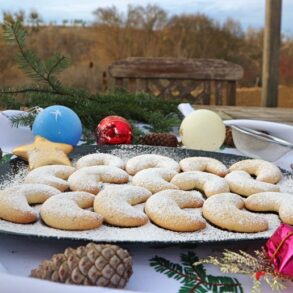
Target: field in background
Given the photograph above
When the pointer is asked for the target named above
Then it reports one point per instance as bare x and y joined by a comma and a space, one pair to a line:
147, 32
252, 96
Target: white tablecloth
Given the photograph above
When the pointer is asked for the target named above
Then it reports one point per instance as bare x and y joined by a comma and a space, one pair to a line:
18, 255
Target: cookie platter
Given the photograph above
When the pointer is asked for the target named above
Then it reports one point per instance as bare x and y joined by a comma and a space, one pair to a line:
15, 170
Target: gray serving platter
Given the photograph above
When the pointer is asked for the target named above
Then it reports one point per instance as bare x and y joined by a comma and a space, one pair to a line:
147, 234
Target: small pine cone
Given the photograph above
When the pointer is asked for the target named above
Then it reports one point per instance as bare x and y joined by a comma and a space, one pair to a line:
229, 138
159, 139
102, 265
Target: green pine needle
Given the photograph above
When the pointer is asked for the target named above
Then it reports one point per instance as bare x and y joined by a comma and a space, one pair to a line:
194, 278
48, 90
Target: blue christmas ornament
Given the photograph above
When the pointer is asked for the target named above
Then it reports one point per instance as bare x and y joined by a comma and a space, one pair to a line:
58, 124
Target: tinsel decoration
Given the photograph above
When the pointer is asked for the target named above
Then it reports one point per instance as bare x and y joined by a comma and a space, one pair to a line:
256, 266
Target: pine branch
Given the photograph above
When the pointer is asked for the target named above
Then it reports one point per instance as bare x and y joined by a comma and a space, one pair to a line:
194, 279
161, 115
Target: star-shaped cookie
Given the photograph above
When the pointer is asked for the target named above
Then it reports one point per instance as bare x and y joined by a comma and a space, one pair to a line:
43, 152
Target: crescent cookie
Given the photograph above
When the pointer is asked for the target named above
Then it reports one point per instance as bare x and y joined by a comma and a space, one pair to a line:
90, 179
203, 164
99, 159
115, 204
210, 184
53, 175
65, 211
165, 209
155, 179
15, 201
263, 170
225, 211
240, 182
141, 162
281, 203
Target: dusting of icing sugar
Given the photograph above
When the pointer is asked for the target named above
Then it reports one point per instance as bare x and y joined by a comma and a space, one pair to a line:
148, 232
155, 179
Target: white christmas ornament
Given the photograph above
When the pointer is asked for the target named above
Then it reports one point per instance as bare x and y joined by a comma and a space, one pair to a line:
202, 130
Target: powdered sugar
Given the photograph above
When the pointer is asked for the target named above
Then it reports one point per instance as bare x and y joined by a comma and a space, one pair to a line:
148, 232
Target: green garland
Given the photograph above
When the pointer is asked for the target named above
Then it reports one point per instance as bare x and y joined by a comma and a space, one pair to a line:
47, 90
194, 277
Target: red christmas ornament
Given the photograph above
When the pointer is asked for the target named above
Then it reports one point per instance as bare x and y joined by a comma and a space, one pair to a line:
114, 130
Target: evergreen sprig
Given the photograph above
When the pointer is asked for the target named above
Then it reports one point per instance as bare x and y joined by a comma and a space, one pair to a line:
194, 277
48, 90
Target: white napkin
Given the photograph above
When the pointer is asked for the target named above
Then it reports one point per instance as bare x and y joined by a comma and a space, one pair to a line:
12, 284
185, 109
10, 136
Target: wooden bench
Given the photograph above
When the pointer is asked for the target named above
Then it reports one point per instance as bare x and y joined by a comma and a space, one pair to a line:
195, 80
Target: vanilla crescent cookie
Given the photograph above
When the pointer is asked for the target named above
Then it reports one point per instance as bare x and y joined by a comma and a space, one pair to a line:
66, 211
263, 170
203, 164
90, 179
210, 184
53, 175
165, 209
15, 201
100, 159
115, 204
155, 179
281, 203
242, 183
141, 162
224, 210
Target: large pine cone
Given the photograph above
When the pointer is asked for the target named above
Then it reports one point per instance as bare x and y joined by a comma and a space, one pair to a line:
94, 264
159, 139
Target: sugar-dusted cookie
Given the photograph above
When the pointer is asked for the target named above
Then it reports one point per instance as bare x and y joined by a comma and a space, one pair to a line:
66, 211
210, 184
53, 175
155, 179
263, 170
166, 209
43, 152
225, 211
99, 159
204, 164
90, 179
142, 162
15, 201
115, 204
242, 183
281, 203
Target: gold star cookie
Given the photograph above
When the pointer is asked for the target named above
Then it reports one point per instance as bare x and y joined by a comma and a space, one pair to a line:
43, 152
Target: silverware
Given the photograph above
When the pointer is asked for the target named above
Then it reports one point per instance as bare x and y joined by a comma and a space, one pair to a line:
257, 144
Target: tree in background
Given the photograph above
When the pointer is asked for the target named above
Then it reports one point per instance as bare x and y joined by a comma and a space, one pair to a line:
146, 31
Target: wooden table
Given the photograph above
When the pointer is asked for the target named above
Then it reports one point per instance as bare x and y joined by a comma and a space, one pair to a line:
284, 115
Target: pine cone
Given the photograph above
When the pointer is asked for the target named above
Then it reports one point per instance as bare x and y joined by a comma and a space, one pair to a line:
229, 138
159, 139
94, 264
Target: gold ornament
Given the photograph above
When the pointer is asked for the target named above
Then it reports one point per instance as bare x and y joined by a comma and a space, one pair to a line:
256, 266
43, 152
94, 264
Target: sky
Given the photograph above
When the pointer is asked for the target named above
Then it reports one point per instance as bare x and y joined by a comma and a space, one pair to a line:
250, 13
